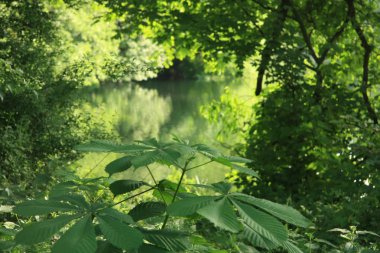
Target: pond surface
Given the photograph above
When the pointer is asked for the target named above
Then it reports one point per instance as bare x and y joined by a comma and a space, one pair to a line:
161, 110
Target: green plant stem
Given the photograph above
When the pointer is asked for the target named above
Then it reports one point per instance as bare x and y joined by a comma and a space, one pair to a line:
156, 184
96, 165
131, 197
175, 194
200, 165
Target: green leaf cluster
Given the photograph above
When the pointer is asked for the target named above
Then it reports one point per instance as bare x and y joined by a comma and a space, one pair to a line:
86, 225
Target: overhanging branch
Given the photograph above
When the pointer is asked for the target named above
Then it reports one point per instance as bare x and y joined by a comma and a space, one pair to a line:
367, 53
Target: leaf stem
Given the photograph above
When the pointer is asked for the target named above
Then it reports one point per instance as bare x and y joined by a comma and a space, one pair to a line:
131, 197
156, 184
199, 165
96, 165
176, 192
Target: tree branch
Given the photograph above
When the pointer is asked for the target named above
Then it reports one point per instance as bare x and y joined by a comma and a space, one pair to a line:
305, 35
318, 59
267, 51
334, 38
367, 53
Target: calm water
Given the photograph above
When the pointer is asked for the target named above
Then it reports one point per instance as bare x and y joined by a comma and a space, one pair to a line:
158, 109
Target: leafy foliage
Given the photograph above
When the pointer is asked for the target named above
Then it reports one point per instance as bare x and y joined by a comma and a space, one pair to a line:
95, 224
313, 136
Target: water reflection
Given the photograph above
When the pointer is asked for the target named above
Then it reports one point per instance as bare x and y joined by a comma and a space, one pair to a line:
159, 109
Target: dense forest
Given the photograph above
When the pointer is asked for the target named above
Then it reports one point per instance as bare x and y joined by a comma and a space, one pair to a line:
152, 126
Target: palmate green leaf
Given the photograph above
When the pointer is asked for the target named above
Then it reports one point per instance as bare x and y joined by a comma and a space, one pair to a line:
147, 209
166, 156
167, 188
40, 207
283, 212
222, 215
189, 206
74, 199
63, 188
206, 151
166, 196
120, 234
124, 186
119, 165
43, 230
106, 247
151, 142
122, 217
80, 238
149, 248
156, 152
171, 240
184, 149
237, 159
225, 161
222, 187
264, 224
291, 247
257, 240
145, 159
165, 184
245, 170
243, 248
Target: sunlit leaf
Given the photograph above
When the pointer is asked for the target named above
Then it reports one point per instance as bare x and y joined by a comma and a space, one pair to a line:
80, 238
283, 212
74, 199
257, 240
43, 230
146, 210
264, 224
120, 234
124, 186
237, 159
122, 217
245, 170
291, 247
119, 165
222, 215
172, 240
189, 206
222, 187
39, 207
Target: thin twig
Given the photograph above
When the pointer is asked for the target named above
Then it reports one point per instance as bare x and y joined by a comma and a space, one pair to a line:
176, 192
200, 165
96, 165
131, 197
